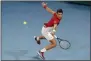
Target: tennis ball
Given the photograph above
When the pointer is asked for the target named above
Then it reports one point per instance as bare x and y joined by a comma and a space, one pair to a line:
24, 22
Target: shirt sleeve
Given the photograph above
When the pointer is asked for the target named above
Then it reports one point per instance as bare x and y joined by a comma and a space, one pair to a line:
54, 14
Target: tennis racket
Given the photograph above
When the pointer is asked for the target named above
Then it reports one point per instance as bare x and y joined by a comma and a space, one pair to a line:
64, 44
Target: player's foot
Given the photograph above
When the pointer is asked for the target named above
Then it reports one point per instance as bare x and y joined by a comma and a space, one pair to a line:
37, 40
41, 54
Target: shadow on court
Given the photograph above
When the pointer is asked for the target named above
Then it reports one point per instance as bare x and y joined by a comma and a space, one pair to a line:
16, 54
36, 57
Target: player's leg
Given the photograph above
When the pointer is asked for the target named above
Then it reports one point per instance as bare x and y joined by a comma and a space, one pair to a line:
38, 38
52, 44
51, 39
44, 30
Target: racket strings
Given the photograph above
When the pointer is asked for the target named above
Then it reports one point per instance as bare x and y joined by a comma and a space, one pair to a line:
64, 44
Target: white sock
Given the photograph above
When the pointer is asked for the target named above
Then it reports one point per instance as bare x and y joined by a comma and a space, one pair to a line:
37, 38
43, 50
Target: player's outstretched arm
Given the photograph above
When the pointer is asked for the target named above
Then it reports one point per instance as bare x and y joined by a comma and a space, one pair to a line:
47, 8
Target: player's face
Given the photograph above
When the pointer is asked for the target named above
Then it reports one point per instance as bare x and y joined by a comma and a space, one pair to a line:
59, 15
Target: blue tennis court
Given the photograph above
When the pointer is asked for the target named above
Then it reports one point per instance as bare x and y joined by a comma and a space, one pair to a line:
17, 39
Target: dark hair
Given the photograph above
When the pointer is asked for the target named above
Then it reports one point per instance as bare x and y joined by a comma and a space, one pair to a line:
59, 11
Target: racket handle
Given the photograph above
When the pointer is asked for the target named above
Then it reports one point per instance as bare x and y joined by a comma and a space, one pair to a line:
55, 36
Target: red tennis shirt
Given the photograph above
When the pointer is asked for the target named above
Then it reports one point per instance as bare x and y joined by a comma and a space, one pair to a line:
54, 20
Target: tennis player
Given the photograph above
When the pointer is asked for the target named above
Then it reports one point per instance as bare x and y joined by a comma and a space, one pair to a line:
49, 29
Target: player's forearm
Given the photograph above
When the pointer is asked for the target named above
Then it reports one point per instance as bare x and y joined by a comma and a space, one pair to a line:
48, 9
55, 27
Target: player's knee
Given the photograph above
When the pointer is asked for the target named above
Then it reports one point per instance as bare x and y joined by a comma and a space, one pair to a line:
53, 45
53, 42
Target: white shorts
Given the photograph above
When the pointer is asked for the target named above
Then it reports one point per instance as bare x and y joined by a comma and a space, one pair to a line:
46, 32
